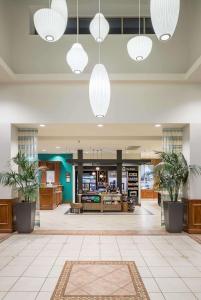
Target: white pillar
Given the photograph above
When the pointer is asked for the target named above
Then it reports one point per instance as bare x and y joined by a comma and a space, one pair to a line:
192, 153
8, 149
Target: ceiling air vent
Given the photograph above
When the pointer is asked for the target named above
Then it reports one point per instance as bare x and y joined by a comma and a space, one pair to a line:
133, 148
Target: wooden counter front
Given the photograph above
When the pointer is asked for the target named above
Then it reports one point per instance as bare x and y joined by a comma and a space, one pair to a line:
50, 197
6, 215
148, 194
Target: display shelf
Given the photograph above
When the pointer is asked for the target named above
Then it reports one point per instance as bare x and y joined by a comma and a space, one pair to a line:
133, 182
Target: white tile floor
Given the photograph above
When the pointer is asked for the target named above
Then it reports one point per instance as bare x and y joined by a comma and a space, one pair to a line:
146, 217
30, 265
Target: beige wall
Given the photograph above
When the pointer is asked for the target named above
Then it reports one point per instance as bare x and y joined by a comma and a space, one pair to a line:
130, 103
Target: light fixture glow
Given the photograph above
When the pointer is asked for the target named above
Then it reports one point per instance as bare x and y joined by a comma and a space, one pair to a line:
44, 150
99, 27
94, 173
77, 58
97, 168
158, 125
49, 24
164, 16
42, 125
100, 125
58, 147
99, 91
139, 47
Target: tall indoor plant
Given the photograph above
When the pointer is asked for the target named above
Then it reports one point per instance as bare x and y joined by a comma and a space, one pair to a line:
24, 179
171, 174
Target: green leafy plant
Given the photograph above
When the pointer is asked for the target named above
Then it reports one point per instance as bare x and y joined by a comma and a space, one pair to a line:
172, 173
25, 180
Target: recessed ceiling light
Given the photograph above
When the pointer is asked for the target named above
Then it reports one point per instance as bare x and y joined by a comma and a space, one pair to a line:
58, 147
44, 150
42, 125
158, 125
100, 125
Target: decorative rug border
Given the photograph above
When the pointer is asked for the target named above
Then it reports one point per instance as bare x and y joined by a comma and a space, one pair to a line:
196, 238
141, 292
5, 237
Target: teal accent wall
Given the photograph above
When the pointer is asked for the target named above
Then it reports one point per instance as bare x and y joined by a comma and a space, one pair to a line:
64, 167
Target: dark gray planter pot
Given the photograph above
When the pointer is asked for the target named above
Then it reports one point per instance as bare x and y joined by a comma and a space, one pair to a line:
173, 215
25, 216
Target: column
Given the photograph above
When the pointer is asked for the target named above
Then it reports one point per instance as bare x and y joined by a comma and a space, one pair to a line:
192, 192
8, 149
119, 170
80, 170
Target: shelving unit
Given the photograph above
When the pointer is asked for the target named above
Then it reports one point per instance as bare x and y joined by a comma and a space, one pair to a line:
102, 203
111, 202
91, 202
133, 182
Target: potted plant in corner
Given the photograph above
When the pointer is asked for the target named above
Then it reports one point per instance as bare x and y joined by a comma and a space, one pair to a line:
25, 181
171, 174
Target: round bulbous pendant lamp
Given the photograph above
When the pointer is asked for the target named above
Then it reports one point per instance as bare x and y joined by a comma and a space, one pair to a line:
50, 23
99, 91
139, 47
164, 17
77, 58
99, 27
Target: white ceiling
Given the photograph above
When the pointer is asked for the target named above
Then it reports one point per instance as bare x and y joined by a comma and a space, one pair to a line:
28, 58
105, 140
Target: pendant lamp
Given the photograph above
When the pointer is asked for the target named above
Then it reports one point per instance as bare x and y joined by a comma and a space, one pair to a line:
61, 7
77, 57
164, 17
139, 47
99, 90
50, 23
99, 27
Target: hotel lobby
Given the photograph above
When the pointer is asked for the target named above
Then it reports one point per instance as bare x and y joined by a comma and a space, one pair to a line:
100, 165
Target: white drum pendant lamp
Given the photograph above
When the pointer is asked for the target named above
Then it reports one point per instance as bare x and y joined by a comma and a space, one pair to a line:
164, 16
139, 47
77, 58
61, 7
50, 23
99, 27
99, 91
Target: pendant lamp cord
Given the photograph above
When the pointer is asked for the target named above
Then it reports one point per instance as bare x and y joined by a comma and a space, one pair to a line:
99, 53
99, 46
139, 16
77, 21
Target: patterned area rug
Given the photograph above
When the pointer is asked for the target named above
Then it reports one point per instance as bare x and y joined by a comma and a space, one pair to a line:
4, 236
99, 280
196, 237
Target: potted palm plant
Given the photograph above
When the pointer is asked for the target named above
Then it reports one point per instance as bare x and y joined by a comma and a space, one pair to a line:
170, 175
25, 182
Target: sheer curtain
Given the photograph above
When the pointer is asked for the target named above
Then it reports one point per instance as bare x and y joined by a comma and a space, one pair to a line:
172, 139
28, 144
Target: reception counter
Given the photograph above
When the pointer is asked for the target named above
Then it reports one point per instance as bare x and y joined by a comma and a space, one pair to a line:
50, 197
